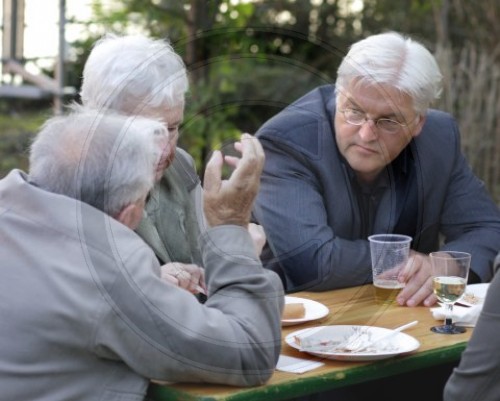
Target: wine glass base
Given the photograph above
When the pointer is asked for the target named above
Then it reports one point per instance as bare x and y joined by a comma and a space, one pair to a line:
448, 329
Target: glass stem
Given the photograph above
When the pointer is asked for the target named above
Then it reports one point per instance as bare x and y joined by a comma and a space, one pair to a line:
449, 314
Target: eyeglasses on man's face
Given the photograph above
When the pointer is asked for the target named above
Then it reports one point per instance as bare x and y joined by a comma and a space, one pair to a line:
358, 117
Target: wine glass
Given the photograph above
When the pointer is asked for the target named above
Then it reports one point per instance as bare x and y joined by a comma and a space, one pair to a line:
449, 279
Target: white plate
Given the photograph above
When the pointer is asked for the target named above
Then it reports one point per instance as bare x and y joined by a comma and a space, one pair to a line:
314, 311
474, 294
399, 343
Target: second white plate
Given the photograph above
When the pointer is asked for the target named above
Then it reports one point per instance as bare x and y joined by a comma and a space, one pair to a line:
474, 294
314, 311
400, 343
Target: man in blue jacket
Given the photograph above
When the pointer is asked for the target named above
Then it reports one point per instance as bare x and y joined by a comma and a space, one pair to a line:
369, 156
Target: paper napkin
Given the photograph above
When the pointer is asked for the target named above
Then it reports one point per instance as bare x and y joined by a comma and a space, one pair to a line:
296, 365
462, 316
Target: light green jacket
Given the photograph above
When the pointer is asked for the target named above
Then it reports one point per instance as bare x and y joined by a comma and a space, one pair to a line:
173, 214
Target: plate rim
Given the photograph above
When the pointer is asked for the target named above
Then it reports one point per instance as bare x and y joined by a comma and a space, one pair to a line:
353, 356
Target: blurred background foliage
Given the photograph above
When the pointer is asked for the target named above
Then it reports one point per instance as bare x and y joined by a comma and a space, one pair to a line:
249, 59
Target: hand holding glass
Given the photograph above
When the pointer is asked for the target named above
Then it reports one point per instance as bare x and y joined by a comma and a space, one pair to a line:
450, 270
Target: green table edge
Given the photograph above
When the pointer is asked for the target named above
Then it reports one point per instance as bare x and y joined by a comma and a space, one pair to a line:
327, 381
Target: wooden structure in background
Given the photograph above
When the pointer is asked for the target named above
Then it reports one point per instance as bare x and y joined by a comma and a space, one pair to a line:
34, 86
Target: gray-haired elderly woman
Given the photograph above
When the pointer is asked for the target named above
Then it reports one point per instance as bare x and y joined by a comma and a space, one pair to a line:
137, 75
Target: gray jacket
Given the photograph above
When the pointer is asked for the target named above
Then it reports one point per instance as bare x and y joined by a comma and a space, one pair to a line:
85, 316
310, 211
476, 377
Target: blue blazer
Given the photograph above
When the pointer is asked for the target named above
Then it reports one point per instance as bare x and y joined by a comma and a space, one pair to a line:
310, 212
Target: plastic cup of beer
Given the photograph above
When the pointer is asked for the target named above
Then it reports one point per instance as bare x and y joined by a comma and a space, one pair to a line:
389, 254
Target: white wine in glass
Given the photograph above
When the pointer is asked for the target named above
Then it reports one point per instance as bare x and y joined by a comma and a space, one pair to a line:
450, 271
449, 288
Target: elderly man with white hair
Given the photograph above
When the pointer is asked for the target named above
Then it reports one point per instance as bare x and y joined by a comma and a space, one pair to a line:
369, 156
85, 312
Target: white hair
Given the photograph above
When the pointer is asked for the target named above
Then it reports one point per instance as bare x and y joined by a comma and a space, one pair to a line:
130, 73
105, 160
394, 60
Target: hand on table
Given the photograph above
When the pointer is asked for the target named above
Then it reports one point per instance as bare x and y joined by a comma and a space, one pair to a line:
418, 279
188, 276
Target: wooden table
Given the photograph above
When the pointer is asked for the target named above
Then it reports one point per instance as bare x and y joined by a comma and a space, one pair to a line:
353, 306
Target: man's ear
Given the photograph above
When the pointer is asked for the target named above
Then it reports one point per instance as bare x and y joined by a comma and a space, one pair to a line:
419, 125
128, 216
